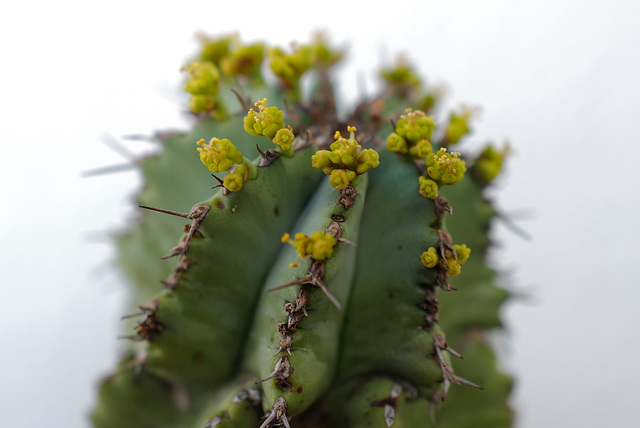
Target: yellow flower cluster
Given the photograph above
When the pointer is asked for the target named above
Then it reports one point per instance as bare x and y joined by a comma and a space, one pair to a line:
319, 245
269, 121
202, 84
345, 160
221, 155
412, 134
430, 259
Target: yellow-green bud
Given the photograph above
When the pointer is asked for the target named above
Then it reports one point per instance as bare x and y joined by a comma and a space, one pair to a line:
319, 245
458, 125
324, 54
283, 138
445, 168
452, 267
219, 155
322, 160
429, 258
489, 163
214, 50
341, 178
421, 149
203, 78
428, 188
201, 103
344, 161
367, 159
400, 75
235, 177
266, 121
396, 143
245, 60
463, 252
290, 67
415, 126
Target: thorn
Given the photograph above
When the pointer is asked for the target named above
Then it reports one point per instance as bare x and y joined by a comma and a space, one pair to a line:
246, 104
512, 226
176, 251
442, 206
440, 344
218, 179
434, 401
108, 169
267, 158
305, 280
389, 415
452, 352
160, 210
132, 337
448, 377
396, 390
278, 412
156, 137
446, 246
459, 380
135, 314
281, 371
447, 383
432, 412
116, 146
346, 241
319, 283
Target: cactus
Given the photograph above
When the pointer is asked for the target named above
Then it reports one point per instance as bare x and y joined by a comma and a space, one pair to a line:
315, 285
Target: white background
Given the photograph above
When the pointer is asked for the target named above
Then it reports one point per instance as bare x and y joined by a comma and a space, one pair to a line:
559, 79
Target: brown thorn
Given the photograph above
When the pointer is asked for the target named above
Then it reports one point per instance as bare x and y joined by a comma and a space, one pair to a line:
246, 104
439, 354
319, 283
285, 344
434, 401
453, 352
281, 371
267, 158
442, 280
459, 380
334, 229
305, 280
442, 206
176, 251
446, 246
171, 212
441, 344
219, 180
278, 412
447, 383
262, 154
347, 197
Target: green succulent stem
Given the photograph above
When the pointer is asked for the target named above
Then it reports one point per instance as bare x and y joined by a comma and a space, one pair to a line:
326, 282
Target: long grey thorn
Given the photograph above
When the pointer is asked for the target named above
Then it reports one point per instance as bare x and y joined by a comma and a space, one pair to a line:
278, 413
